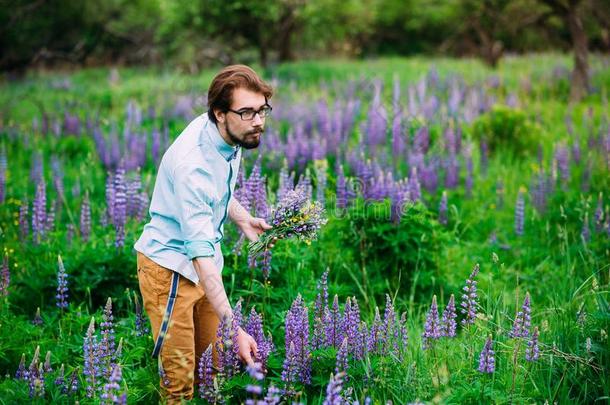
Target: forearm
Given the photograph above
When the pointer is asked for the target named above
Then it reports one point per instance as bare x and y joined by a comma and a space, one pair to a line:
211, 281
237, 212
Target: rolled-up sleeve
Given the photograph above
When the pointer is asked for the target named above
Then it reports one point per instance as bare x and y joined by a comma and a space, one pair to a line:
193, 187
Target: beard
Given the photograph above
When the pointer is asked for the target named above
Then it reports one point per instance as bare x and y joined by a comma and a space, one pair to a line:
247, 140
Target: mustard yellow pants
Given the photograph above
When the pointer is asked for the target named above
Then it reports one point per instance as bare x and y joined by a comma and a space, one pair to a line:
192, 326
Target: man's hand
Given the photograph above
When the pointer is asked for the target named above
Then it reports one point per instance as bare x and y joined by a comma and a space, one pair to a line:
247, 346
252, 227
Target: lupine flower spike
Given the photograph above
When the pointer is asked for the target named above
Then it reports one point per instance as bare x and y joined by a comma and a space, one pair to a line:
448, 323
487, 359
522, 323
62, 285
469, 298
532, 352
432, 330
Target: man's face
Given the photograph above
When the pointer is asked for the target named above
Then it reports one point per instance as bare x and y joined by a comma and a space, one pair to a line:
242, 132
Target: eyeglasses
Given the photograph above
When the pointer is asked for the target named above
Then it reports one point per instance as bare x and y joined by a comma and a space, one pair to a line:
248, 114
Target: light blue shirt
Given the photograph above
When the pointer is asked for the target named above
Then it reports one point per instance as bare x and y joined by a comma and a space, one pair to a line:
190, 201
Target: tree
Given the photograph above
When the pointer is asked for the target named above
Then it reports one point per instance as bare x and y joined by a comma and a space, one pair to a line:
571, 12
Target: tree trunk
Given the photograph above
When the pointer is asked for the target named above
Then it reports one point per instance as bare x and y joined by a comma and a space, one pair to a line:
579, 85
287, 26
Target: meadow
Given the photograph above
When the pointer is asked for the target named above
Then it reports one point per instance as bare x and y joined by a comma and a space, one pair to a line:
466, 257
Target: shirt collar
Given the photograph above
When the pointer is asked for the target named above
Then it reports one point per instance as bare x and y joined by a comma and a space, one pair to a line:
227, 151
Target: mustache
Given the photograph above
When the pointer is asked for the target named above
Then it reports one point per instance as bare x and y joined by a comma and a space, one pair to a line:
257, 131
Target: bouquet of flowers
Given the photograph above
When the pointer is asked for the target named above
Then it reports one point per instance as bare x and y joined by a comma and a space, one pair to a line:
295, 216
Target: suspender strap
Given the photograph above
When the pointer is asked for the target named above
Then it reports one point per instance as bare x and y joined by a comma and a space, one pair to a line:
169, 308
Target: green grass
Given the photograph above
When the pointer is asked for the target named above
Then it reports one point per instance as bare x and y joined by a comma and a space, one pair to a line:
563, 274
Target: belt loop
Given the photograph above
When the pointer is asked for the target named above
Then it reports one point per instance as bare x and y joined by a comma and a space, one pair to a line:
169, 308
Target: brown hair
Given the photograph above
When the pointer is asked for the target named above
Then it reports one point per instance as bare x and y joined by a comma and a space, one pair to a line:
220, 93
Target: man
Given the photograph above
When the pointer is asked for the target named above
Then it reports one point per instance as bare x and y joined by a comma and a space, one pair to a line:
179, 257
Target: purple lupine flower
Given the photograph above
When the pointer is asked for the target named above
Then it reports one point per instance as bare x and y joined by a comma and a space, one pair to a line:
414, 187
91, 356
404, 335
85, 218
107, 343
521, 325
321, 304
37, 318
116, 356
539, 191
484, 157
69, 233
206, 375
563, 164
520, 212
71, 124
351, 328
47, 367
254, 328
35, 360
132, 191
72, 387
333, 390
265, 263
141, 324
257, 191
290, 368
532, 351
36, 381
110, 192
487, 359
111, 390
388, 326
37, 170
22, 372
297, 335
62, 285
443, 209
432, 327
226, 342
286, 181
39, 213
469, 298
236, 323
448, 323
342, 357
304, 185
120, 206
142, 209
50, 220
273, 396
24, 226
452, 172
332, 324
155, 145
5, 276
58, 176
61, 378
163, 377
599, 214
241, 193
256, 372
